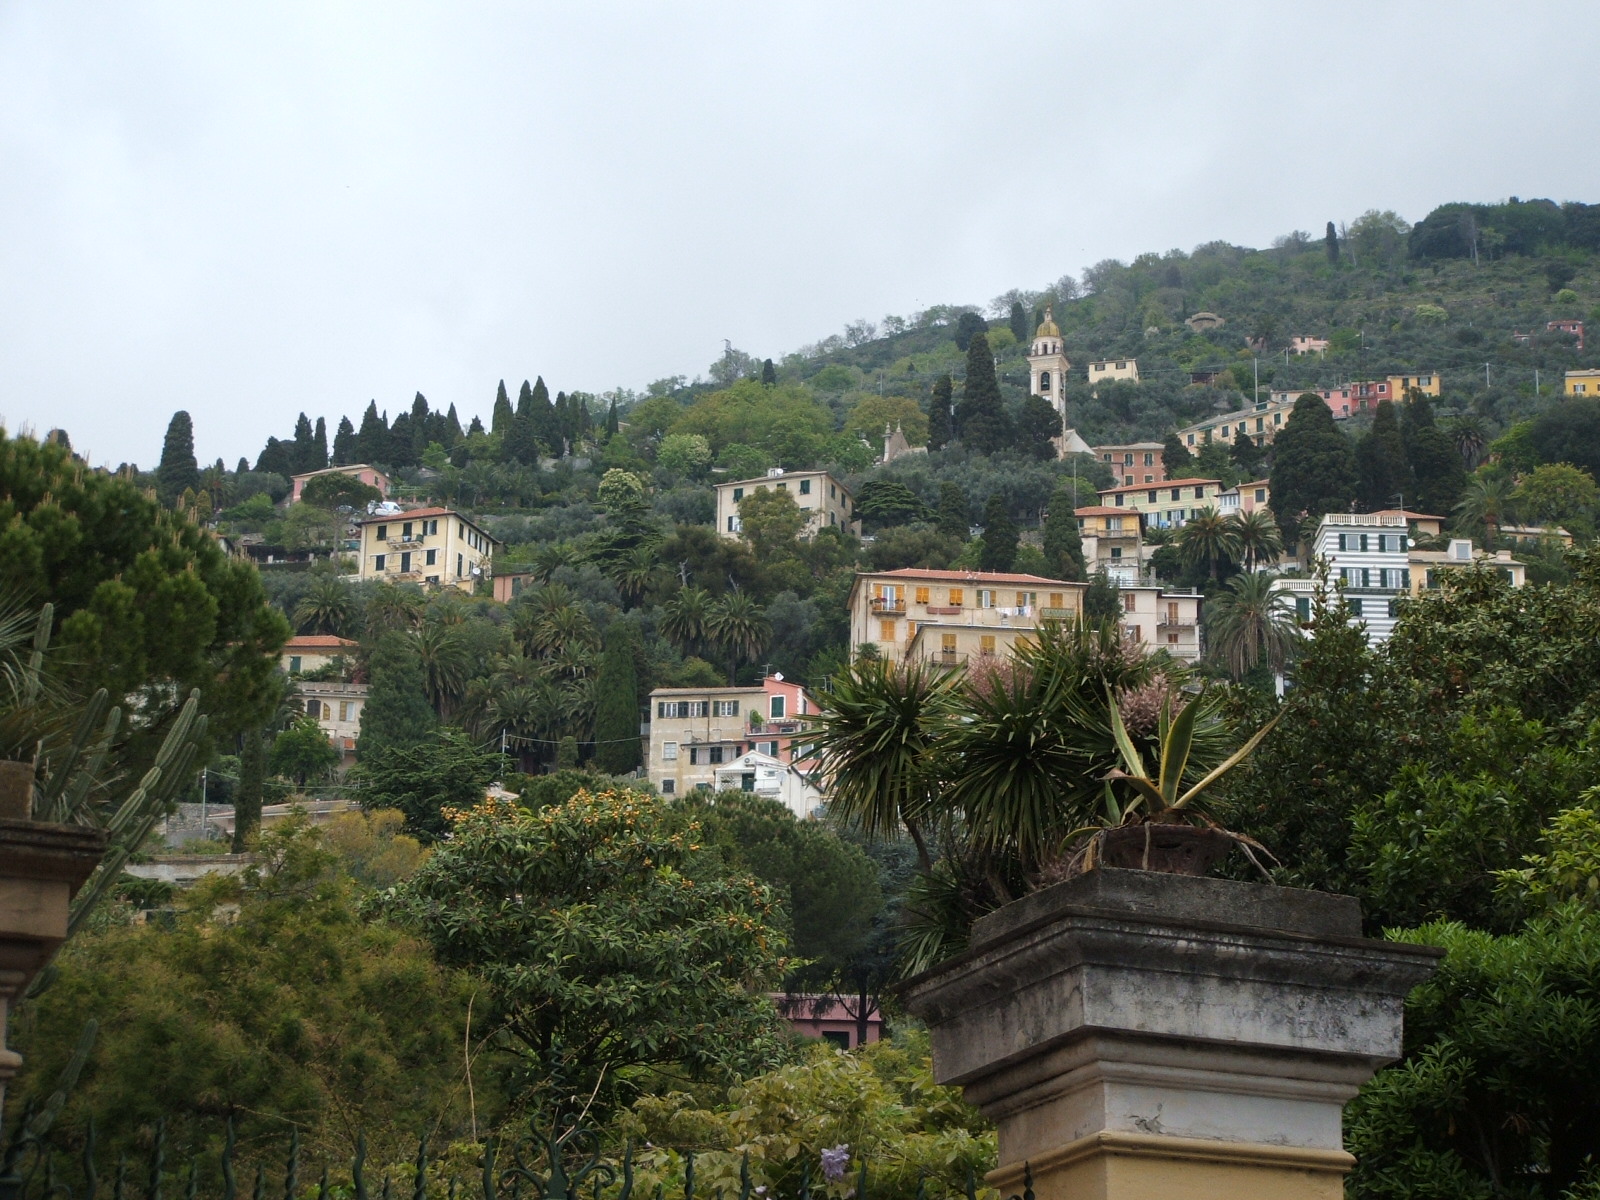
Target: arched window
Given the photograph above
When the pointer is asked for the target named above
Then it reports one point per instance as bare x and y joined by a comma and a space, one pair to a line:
1044, 381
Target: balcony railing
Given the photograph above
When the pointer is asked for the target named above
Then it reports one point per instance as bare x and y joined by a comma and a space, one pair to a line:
1057, 614
404, 543
945, 610
883, 605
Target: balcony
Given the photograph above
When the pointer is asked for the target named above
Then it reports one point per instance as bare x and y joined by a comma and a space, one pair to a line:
945, 610
1057, 614
404, 543
882, 604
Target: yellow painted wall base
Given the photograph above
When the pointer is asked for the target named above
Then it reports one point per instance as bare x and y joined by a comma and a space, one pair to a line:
1127, 1166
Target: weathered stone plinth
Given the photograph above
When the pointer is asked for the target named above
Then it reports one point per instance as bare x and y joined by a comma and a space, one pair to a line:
1138, 1035
41, 868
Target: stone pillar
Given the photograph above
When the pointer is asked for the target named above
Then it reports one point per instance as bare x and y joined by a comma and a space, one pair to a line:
1136, 1035
41, 868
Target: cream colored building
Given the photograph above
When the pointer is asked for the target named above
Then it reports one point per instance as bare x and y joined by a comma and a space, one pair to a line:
943, 616
1583, 383
309, 652
1110, 369
1261, 422
336, 706
1245, 497
1428, 567
826, 503
695, 732
1159, 618
1113, 542
1169, 505
435, 547
765, 776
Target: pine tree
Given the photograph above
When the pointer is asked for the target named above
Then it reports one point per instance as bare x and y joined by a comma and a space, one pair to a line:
1313, 467
940, 421
319, 446
276, 457
1063, 544
345, 444
243, 467
616, 712
247, 796
969, 324
397, 713
999, 536
955, 516
178, 469
1435, 462
500, 420
769, 373
981, 421
1037, 424
1020, 326
372, 443
1381, 465
476, 428
1330, 243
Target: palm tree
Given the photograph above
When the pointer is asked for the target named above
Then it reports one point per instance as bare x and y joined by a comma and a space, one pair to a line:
683, 619
1209, 540
394, 608
1260, 542
567, 628
1249, 622
327, 607
1470, 440
1485, 504
633, 572
737, 626
443, 652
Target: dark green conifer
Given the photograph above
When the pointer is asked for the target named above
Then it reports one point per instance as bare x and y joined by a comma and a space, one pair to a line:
1313, 467
1381, 466
1037, 424
1063, 544
955, 515
1020, 326
1435, 463
319, 446
1330, 243
999, 536
345, 443
940, 420
372, 442
616, 713
178, 470
500, 419
397, 713
769, 373
981, 421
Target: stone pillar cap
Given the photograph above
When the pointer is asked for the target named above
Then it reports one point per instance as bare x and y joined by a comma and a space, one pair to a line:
37, 850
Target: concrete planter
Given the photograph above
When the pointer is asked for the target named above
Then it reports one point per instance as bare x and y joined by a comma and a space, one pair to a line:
1135, 1034
1170, 849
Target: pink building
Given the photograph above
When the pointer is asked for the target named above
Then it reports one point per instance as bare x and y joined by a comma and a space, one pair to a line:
1302, 344
833, 1020
368, 475
1575, 328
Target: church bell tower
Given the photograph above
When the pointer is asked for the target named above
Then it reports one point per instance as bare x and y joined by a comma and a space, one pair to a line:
1047, 377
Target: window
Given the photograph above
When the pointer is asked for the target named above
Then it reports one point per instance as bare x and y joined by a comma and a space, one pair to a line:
378, 561
1200, 492
1152, 496
432, 558
669, 786
405, 561
669, 751
1191, 439
725, 708
1177, 493
1127, 480
986, 643
833, 492
460, 564
1044, 381
1261, 495
778, 707
405, 531
738, 495
1113, 524
294, 663
1116, 552
1149, 459
1127, 459
958, 597
985, 597
733, 524
805, 487
1260, 424
1172, 639
716, 755
383, 532
1120, 499
783, 485
1129, 602
922, 595
886, 631
344, 710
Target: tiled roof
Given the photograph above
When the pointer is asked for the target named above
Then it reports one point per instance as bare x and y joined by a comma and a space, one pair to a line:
318, 641
969, 577
1100, 510
1165, 483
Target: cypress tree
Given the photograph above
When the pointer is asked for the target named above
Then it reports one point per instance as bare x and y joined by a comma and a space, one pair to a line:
303, 448
244, 465
402, 442
372, 442
969, 324
178, 470
476, 428
940, 422
500, 419
452, 427
612, 422
1037, 424
1435, 462
1330, 243
1381, 466
616, 713
520, 443
545, 428
1063, 545
769, 373
955, 517
562, 423
423, 426
999, 536
981, 420
1313, 467
345, 444
277, 457
1019, 322
397, 713
247, 796
1176, 461
319, 446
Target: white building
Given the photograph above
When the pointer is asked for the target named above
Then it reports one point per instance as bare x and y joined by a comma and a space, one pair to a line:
1047, 376
825, 502
765, 776
1114, 368
1369, 558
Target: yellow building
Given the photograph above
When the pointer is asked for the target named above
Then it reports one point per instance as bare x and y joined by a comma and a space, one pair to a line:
436, 547
1426, 383
1109, 369
1113, 539
1583, 383
944, 616
1428, 567
1170, 504
1261, 422
826, 503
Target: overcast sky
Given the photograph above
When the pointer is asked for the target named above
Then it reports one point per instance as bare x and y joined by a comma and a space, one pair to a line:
249, 210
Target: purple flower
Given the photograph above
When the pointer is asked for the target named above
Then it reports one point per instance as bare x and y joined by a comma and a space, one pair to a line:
835, 1161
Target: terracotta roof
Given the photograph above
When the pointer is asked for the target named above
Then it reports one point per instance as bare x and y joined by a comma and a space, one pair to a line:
318, 641
1104, 510
969, 577
410, 514
1406, 512
1144, 487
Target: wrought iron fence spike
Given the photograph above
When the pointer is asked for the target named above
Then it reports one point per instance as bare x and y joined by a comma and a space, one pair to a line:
385, 1192
358, 1173
805, 1180
922, 1185
291, 1174
861, 1180
450, 1192
627, 1171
